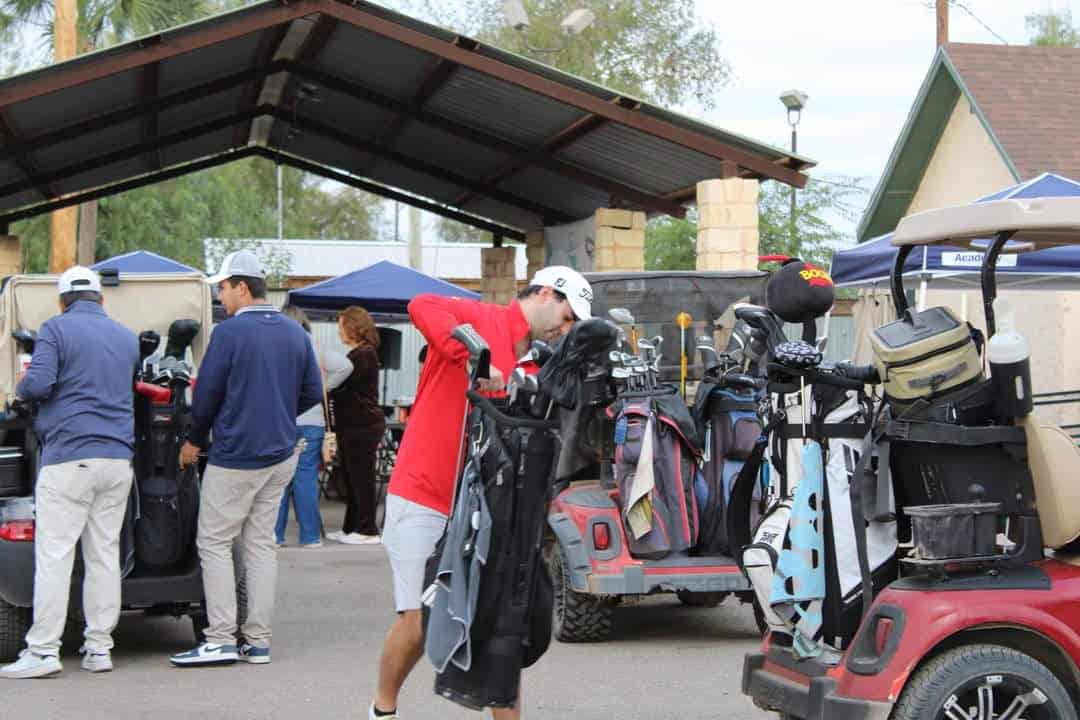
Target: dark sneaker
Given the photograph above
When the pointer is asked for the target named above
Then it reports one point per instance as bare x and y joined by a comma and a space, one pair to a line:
254, 655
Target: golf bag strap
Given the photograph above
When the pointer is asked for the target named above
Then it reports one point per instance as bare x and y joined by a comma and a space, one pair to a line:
945, 434
793, 431
739, 532
863, 474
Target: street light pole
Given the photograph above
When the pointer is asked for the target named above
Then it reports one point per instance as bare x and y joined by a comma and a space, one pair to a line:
794, 101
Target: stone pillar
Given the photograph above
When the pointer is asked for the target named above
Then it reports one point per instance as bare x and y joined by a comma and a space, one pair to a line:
10, 255
535, 252
498, 283
727, 224
620, 240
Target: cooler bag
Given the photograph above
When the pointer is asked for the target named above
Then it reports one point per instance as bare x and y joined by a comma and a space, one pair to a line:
925, 353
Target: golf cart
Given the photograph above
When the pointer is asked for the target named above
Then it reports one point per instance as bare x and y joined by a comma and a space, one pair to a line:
980, 618
157, 549
596, 562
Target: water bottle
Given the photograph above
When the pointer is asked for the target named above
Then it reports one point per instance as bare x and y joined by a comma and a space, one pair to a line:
1010, 365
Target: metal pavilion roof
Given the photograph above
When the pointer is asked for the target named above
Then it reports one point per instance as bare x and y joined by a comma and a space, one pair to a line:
365, 96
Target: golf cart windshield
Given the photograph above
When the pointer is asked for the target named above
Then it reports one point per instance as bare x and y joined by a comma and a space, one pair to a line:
654, 299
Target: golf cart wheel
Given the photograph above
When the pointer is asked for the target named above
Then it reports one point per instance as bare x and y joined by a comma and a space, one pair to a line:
578, 617
14, 624
199, 623
700, 599
984, 682
759, 618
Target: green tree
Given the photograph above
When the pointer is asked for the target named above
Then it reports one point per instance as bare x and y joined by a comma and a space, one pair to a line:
1052, 29
671, 243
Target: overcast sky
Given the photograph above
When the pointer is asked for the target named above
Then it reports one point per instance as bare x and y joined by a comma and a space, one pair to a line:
860, 61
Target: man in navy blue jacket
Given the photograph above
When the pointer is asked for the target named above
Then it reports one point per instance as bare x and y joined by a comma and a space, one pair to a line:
258, 374
82, 376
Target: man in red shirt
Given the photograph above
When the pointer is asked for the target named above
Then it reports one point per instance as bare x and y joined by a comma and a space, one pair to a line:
419, 496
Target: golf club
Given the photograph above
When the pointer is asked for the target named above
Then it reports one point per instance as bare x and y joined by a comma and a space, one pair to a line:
684, 321
622, 316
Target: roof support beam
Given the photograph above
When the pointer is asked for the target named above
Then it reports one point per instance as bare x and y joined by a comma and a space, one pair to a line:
30, 144
151, 49
124, 186
340, 136
641, 198
16, 149
148, 92
268, 48
547, 213
286, 90
391, 194
635, 119
438, 75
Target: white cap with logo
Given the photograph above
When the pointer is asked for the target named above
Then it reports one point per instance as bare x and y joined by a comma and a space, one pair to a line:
79, 279
570, 283
240, 263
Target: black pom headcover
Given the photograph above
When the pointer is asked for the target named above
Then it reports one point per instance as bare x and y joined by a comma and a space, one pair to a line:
800, 291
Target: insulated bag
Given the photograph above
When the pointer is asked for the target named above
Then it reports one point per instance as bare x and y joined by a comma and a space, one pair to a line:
925, 353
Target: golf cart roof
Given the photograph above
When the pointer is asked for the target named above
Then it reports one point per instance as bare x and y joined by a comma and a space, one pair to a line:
1041, 221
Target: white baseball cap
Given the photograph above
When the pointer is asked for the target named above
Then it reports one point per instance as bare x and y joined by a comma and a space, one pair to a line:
570, 283
79, 279
241, 262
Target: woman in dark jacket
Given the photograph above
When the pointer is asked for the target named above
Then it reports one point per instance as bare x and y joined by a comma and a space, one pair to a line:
359, 423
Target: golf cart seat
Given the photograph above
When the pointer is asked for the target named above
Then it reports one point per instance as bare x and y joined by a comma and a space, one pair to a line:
1054, 459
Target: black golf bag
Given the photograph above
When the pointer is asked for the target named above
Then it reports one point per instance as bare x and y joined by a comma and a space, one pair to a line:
512, 608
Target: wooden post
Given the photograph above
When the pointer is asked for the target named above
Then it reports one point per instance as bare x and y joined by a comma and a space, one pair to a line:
65, 221
942, 22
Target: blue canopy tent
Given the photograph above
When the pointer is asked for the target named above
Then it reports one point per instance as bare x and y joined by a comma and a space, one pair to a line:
142, 261
383, 289
1058, 268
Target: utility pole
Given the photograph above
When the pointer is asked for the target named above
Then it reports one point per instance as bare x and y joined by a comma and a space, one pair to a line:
416, 248
64, 224
942, 22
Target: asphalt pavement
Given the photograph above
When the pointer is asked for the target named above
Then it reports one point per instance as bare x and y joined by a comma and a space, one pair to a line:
333, 607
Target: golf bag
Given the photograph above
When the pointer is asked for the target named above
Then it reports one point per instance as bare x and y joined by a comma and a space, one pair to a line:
168, 497
840, 422
729, 423
656, 457
489, 599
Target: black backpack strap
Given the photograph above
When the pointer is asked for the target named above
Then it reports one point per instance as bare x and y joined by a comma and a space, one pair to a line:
742, 495
863, 473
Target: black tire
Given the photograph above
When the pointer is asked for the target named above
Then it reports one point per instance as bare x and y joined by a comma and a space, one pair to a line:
577, 617
14, 624
200, 621
700, 599
966, 675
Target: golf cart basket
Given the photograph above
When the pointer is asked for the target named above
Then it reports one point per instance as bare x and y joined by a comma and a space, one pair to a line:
655, 298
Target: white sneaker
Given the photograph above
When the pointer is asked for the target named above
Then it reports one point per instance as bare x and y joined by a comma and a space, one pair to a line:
336, 536
310, 546
207, 654
96, 662
372, 716
31, 665
358, 539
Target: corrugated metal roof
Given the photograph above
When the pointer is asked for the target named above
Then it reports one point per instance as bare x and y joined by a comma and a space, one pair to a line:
375, 95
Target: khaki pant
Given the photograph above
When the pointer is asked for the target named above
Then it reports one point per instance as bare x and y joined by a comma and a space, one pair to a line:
244, 504
83, 499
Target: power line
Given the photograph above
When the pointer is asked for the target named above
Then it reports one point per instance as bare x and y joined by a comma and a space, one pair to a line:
929, 5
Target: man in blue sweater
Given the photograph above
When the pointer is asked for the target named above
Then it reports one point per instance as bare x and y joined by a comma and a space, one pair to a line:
82, 376
258, 374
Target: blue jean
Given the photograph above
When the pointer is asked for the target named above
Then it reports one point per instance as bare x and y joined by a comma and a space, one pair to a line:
303, 491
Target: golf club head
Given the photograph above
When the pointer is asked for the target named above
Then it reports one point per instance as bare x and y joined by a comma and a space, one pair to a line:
621, 316
530, 384
181, 334
24, 340
615, 357
541, 351
149, 340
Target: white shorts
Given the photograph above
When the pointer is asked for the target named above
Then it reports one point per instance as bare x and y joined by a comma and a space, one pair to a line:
410, 534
